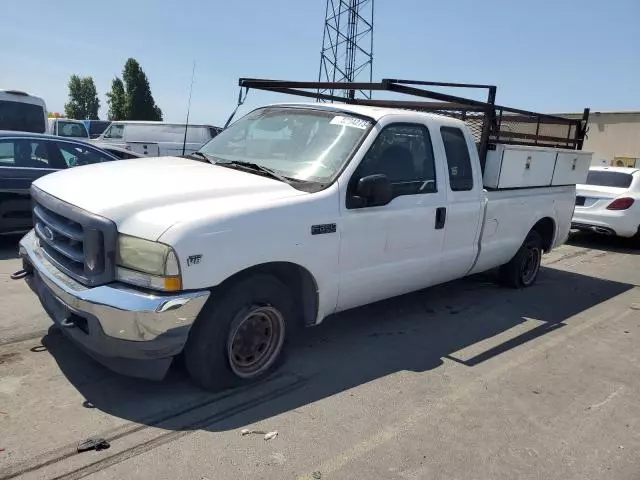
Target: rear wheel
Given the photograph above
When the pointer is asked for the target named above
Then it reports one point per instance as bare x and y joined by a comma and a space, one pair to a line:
239, 336
522, 271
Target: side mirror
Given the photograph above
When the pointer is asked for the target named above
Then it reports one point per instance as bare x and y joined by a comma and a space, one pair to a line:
373, 190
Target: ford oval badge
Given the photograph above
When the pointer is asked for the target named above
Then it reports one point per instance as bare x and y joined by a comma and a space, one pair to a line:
48, 233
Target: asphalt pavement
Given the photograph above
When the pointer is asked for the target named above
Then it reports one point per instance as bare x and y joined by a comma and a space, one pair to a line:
462, 381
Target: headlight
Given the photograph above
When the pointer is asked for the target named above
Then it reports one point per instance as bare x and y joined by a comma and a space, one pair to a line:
148, 264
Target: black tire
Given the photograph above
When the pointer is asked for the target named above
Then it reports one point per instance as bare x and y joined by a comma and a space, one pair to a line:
210, 353
522, 271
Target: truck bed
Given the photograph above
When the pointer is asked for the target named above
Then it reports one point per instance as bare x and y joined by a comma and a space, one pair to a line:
510, 214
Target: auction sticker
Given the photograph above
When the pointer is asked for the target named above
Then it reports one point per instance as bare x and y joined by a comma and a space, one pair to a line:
350, 122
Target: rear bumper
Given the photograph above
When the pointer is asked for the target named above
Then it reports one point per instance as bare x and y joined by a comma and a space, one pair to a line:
130, 331
620, 223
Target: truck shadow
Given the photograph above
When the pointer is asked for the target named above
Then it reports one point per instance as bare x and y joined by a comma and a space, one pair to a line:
414, 333
603, 242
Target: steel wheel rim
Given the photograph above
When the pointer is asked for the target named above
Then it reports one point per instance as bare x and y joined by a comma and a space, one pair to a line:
255, 341
530, 265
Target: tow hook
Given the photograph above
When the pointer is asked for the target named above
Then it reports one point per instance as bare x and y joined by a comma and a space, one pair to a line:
20, 274
27, 269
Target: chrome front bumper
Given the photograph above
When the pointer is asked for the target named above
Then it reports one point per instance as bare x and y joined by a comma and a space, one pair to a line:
117, 320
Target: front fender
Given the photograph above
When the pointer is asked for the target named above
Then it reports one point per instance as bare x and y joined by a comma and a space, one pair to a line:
211, 251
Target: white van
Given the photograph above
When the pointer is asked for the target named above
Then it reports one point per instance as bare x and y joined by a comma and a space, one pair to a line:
155, 139
66, 127
22, 112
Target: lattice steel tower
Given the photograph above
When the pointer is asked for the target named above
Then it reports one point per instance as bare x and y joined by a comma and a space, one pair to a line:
347, 44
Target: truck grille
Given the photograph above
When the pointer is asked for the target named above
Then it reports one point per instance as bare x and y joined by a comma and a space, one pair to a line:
80, 244
61, 238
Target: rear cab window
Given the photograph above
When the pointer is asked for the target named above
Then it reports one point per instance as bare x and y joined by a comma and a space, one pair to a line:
458, 159
603, 178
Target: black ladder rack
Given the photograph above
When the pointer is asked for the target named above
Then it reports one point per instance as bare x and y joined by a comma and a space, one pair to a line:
489, 123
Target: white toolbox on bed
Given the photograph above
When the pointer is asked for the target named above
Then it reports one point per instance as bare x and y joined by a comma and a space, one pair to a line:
515, 166
572, 167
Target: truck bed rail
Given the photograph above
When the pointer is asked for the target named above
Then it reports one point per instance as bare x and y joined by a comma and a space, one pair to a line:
489, 123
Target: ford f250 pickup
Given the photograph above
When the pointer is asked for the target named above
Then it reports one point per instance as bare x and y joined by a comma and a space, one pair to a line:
293, 213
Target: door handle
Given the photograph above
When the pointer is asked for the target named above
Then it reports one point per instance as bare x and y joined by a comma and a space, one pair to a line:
441, 217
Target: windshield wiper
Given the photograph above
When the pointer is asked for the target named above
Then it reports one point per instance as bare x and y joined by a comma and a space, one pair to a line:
198, 154
257, 167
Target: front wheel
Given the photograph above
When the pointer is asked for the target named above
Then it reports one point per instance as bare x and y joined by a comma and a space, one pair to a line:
522, 271
239, 336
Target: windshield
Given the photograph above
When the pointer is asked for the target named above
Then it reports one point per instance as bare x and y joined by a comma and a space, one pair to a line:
24, 117
299, 143
609, 179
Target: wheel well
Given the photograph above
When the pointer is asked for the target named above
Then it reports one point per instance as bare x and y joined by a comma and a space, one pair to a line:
299, 280
547, 229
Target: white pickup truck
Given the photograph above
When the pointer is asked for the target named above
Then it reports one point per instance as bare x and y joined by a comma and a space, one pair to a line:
292, 213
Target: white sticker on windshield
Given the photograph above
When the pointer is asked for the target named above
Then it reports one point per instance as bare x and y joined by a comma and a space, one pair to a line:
350, 122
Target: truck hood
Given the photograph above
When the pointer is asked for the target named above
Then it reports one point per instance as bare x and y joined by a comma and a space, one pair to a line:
145, 197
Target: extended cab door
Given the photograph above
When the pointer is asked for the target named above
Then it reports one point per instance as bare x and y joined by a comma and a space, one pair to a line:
464, 200
395, 248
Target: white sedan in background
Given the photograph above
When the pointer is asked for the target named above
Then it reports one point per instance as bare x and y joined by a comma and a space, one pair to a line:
609, 203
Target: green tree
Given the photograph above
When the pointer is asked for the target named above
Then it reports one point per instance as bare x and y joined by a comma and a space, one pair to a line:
117, 100
83, 99
140, 104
